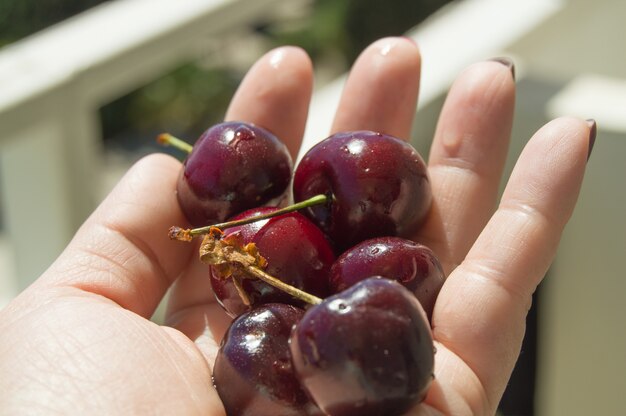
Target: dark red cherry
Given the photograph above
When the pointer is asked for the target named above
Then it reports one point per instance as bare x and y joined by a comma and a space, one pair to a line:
413, 265
296, 251
365, 351
378, 183
253, 373
233, 166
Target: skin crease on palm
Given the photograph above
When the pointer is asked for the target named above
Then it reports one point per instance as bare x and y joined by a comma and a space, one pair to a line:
79, 340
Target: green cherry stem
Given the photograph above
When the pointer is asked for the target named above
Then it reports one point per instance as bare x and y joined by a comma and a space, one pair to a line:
167, 139
177, 233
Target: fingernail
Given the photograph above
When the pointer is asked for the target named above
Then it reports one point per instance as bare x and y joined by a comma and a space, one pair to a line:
592, 135
506, 62
413, 41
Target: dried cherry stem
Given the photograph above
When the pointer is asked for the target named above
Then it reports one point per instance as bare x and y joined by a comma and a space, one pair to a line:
167, 139
241, 291
177, 233
279, 284
229, 254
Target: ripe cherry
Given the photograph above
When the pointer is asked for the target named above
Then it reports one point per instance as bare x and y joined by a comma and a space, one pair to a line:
296, 251
253, 373
413, 265
232, 167
365, 351
378, 186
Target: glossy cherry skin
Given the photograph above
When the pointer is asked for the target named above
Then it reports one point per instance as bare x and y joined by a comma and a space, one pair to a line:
413, 265
365, 351
253, 373
378, 183
297, 252
233, 166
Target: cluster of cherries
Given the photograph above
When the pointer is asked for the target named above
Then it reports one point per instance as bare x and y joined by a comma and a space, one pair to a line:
331, 299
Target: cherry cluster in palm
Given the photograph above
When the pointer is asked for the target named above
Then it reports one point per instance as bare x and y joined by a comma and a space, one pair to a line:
350, 335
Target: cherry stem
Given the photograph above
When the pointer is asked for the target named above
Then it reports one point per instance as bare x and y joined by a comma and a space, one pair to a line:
177, 233
279, 284
167, 139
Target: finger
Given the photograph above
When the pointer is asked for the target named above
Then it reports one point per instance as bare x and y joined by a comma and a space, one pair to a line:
275, 94
480, 312
467, 157
381, 91
123, 252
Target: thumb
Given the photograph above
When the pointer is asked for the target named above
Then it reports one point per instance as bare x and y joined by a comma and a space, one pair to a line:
123, 252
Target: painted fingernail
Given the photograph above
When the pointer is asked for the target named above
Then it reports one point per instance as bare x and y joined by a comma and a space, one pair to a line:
592, 135
506, 62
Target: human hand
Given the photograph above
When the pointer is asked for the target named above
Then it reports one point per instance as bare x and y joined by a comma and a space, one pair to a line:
79, 340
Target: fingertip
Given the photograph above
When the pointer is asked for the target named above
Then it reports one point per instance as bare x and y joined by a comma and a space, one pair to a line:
154, 177
295, 54
275, 94
393, 57
475, 123
122, 252
507, 63
290, 65
566, 122
398, 45
491, 72
382, 88
573, 131
553, 162
166, 163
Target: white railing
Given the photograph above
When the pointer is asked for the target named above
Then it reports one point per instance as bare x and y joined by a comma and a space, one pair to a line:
51, 87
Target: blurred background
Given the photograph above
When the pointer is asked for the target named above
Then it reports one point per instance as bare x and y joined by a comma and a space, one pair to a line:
86, 85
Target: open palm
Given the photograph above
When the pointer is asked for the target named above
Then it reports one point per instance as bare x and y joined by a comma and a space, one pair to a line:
79, 340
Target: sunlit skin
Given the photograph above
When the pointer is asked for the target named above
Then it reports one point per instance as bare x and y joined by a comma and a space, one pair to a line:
80, 340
